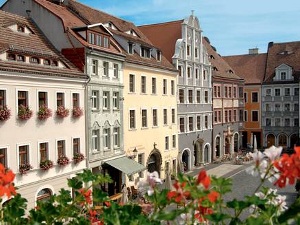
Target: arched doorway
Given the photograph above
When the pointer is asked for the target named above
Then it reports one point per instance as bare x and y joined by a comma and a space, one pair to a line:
44, 195
185, 160
282, 140
270, 140
218, 146
236, 142
154, 161
198, 146
206, 154
227, 145
293, 140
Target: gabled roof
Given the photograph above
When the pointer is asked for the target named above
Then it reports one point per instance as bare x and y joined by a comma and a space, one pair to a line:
30, 44
250, 67
221, 68
91, 16
164, 35
282, 53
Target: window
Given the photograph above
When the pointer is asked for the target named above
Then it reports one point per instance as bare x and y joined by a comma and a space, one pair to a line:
198, 98
95, 140
106, 138
229, 116
44, 154
154, 117
158, 55
105, 68
181, 95
254, 97
116, 70
145, 52
268, 107
189, 72
215, 116
245, 97
277, 122
3, 157
206, 96
255, 116
245, 116
116, 137
226, 116
75, 100
61, 148
277, 107
34, 60
191, 124
130, 48
180, 70
167, 143
106, 100
287, 107
20, 28
296, 107
206, 122
268, 122
95, 67
172, 87
95, 100
11, 57
220, 116
91, 39
153, 85
76, 146
164, 86
143, 84
204, 74
229, 92
2, 99
144, 118
287, 92
131, 119
234, 115
20, 58
219, 91
296, 91
105, 42
234, 92
23, 155
215, 91
165, 116
190, 96
277, 92
226, 92
60, 99
287, 122
188, 49
283, 75
44, 195
131, 83
196, 73
198, 123
268, 92
181, 125
46, 62
173, 141
173, 116
22, 98
241, 115
241, 92
296, 122
42, 99
116, 100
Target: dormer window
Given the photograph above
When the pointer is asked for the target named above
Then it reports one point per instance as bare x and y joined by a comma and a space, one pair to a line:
215, 68
230, 71
211, 57
46, 62
20, 58
97, 39
54, 63
20, 28
145, 52
34, 60
283, 75
130, 48
11, 57
158, 55
105, 42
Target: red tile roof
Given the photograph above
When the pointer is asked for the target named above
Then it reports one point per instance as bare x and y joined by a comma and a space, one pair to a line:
282, 53
251, 67
92, 16
34, 44
164, 35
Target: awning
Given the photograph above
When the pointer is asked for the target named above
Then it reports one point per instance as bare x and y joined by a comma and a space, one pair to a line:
126, 165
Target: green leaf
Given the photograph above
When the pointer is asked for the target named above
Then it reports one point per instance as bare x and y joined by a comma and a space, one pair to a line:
99, 196
75, 183
217, 217
238, 205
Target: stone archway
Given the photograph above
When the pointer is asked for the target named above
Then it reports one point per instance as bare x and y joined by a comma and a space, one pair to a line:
270, 140
218, 146
198, 146
154, 161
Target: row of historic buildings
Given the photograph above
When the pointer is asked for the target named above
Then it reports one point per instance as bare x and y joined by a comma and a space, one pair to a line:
129, 99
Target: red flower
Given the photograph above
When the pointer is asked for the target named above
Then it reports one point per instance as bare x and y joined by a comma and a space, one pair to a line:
6, 182
179, 195
87, 195
213, 196
203, 179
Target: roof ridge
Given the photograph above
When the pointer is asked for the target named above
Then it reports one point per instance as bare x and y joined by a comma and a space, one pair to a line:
161, 23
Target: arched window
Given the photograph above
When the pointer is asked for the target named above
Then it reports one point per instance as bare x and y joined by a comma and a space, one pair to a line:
44, 194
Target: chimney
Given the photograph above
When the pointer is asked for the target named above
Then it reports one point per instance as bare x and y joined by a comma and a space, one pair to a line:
253, 51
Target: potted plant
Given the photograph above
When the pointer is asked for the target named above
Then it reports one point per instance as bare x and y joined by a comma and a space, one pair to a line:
46, 164
62, 160
23, 168
4, 113
77, 112
44, 112
62, 111
24, 112
78, 157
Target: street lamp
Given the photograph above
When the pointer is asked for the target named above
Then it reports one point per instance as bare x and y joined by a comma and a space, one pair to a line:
135, 153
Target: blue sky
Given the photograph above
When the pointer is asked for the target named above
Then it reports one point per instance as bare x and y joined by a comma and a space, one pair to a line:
233, 26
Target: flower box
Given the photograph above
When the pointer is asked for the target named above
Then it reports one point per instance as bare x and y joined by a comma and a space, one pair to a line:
24, 112
46, 164
77, 112
63, 160
4, 113
44, 112
78, 157
23, 168
62, 112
